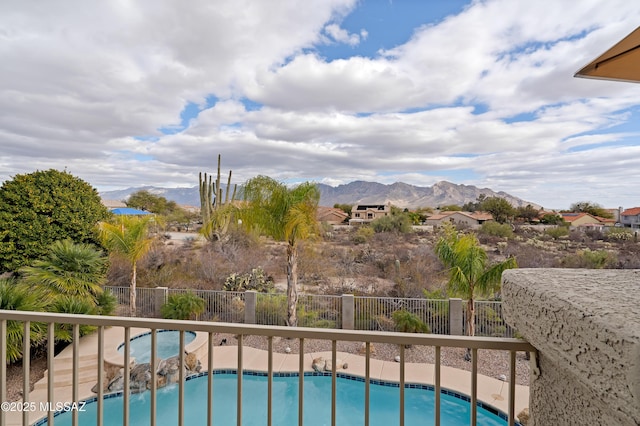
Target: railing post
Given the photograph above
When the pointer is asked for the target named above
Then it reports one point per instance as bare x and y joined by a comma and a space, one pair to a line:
250, 301
348, 309
455, 317
160, 298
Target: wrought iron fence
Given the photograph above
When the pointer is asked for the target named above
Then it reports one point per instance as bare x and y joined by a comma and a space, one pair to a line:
376, 313
324, 311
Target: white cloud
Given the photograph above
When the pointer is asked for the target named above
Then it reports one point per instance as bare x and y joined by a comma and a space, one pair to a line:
492, 97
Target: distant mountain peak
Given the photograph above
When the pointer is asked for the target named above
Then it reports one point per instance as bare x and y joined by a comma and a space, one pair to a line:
400, 194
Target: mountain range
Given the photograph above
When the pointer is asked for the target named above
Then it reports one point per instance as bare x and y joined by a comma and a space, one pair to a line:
359, 192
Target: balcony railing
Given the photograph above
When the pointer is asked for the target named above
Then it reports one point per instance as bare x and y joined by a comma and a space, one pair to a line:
240, 330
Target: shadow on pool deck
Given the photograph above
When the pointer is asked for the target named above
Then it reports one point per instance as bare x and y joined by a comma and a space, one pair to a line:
490, 391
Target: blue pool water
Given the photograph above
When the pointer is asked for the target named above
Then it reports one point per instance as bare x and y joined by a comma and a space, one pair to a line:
168, 345
384, 403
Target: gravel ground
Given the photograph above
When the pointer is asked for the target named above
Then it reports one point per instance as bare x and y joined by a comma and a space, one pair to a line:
490, 363
37, 368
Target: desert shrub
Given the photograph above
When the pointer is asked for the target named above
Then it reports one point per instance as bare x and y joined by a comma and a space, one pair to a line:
254, 280
555, 233
407, 322
271, 309
619, 234
400, 223
496, 229
183, 306
362, 235
590, 259
311, 318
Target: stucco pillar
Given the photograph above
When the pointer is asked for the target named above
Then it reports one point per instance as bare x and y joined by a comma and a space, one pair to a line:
585, 325
159, 299
456, 319
348, 309
250, 300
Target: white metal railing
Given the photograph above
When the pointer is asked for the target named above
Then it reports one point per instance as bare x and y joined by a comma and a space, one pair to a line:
241, 330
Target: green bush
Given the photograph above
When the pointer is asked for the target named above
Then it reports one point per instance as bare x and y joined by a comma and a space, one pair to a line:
20, 297
72, 305
496, 229
408, 322
400, 223
271, 309
555, 233
183, 306
107, 303
362, 235
590, 259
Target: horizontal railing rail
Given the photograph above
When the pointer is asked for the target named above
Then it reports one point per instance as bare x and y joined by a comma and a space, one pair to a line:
241, 330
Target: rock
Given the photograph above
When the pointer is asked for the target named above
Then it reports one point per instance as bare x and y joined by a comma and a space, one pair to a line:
287, 350
193, 363
318, 364
523, 417
363, 349
397, 358
140, 377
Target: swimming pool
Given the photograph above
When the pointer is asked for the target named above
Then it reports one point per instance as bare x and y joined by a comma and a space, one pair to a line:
168, 345
384, 403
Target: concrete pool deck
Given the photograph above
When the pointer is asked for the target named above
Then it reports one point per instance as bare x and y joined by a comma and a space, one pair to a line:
491, 391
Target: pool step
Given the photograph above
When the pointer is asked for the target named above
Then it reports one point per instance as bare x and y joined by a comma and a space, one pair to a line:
63, 372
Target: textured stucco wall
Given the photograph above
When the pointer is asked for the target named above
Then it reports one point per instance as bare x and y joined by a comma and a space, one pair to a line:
586, 327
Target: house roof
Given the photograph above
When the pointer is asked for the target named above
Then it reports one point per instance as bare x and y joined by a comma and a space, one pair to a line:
327, 213
634, 211
128, 211
474, 215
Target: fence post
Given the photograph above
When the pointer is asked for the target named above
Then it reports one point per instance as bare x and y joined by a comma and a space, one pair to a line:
250, 300
455, 317
348, 309
159, 299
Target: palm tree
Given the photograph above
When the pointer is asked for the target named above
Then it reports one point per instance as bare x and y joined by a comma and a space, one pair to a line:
469, 274
285, 214
70, 269
129, 238
20, 297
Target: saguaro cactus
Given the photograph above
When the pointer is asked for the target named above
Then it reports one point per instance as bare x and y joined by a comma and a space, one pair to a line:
216, 213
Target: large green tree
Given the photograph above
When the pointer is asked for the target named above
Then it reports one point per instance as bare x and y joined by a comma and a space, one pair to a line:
39, 208
128, 237
285, 214
500, 209
470, 275
591, 208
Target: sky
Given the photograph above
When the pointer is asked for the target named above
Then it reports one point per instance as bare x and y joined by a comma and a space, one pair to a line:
130, 93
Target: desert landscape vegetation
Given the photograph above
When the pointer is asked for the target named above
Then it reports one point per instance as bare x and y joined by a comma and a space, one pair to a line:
392, 257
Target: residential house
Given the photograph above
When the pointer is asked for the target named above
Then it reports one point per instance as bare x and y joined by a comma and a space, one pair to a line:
366, 213
630, 218
459, 218
331, 215
586, 221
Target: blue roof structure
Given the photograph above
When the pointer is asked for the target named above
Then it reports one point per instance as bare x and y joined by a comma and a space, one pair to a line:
127, 211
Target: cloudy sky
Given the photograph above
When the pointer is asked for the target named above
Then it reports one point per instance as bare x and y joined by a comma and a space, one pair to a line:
129, 93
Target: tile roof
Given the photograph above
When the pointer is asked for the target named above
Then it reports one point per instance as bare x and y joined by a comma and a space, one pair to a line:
631, 212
